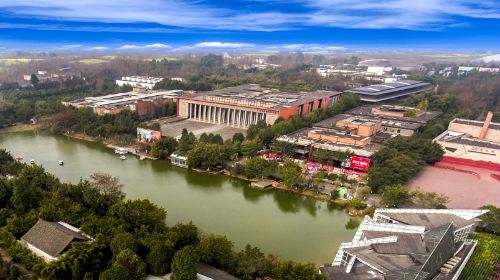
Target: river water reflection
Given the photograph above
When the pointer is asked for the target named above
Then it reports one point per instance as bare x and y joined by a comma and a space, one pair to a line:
281, 223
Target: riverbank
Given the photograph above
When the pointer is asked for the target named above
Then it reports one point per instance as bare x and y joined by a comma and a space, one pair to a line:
21, 128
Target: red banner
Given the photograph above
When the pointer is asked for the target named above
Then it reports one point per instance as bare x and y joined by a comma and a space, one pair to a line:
360, 163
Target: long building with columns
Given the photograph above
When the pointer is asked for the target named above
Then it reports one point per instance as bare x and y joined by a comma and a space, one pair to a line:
242, 106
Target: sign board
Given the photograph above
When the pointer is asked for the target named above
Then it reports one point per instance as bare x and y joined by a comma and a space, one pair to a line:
359, 163
147, 135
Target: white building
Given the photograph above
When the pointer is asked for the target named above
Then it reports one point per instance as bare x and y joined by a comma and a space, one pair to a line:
139, 81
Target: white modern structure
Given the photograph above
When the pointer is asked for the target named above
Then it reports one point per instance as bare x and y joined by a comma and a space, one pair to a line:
138, 81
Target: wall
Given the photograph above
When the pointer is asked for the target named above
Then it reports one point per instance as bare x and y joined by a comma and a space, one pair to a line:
338, 139
397, 131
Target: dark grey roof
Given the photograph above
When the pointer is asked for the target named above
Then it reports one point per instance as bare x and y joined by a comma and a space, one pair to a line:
429, 220
380, 92
367, 111
214, 273
408, 243
51, 237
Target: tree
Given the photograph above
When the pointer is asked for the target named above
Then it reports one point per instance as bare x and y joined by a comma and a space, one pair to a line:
123, 241
139, 214
182, 235
490, 221
207, 155
429, 199
238, 137
159, 258
186, 142
258, 167
164, 147
34, 79
107, 184
132, 264
395, 195
250, 148
216, 250
184, 264
247, 262
291, 173
115, 273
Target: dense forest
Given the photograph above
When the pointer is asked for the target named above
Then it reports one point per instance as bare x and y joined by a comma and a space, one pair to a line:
131, 238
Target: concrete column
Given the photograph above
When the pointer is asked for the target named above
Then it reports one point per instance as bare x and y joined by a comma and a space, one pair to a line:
220, 114
198, 114
210, 114
233, 117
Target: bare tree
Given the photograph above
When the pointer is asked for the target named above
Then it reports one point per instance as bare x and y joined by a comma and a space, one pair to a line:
107, 184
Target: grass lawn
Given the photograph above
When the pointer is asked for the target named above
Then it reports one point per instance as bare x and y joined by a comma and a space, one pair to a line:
10, 61
93, 60
483, 262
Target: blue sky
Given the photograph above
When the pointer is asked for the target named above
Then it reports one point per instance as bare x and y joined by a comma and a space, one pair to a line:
270, 25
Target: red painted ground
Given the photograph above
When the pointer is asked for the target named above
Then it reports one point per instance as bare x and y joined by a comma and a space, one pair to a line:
466, 186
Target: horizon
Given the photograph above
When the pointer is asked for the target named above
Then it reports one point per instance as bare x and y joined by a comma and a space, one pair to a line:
326, 26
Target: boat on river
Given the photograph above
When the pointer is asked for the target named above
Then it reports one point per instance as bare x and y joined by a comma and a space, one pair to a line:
121, 151
19, 158
32, 161
142, 157
123, 157
61, 162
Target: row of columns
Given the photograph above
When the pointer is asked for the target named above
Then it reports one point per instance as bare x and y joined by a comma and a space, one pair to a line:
221, 115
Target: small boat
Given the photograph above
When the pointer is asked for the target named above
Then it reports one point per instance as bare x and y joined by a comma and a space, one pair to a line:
19, 158
121, 151
61, 162
142, 157
123, 157
32, 161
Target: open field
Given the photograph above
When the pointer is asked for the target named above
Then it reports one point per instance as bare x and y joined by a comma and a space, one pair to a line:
173, 127
11, 61
93, 61
465, 190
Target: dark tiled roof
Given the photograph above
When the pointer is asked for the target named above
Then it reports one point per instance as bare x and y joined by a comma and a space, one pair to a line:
52, 238
408, 243
214, 273
429, 221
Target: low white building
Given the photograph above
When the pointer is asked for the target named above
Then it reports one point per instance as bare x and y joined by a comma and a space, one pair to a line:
138, 81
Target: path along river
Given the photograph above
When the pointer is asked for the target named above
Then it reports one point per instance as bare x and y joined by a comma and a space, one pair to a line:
287, 225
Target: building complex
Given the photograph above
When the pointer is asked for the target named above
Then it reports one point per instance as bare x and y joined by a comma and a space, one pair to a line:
138, 81
242, 106
412, 244
146, 103
387, 91
472, 140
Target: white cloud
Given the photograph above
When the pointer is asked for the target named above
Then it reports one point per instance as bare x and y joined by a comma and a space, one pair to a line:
150, 46
416, 14
98, 48
222, 45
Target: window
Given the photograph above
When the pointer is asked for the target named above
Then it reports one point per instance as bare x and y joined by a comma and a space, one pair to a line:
320, 102
311, 106
301, 109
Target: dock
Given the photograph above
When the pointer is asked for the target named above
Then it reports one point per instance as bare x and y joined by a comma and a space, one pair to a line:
263, 184
132, 151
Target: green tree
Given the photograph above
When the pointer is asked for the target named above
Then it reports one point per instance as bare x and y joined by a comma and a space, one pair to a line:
139, 214
395, 195
115, 272
186, 142
490, 222
107, 184
132, 264
159, 258
123, 241
291, 173
207, 155
250, 148
182, 235
216, 250
238, 137
258, 167
247, 261
164, 147
184, 264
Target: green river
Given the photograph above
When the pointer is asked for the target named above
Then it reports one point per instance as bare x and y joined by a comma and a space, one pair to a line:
287, 225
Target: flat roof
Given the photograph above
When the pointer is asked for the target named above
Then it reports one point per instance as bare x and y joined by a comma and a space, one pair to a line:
492, 125
366, 110
463, 139
385, 91
124, 98
255, 95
